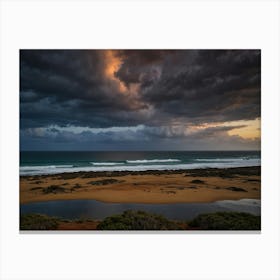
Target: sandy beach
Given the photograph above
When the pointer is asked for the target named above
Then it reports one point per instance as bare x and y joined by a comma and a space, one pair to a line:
200, 185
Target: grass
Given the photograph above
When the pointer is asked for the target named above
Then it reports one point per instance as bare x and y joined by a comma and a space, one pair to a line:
38, 222
226, 221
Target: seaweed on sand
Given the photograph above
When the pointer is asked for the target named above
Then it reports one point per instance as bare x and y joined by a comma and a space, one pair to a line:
104, 182
36, 188
236, 189
197, 181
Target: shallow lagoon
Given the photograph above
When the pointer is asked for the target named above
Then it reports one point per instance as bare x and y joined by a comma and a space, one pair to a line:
92, 209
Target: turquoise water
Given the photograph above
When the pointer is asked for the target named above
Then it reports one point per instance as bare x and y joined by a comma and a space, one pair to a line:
32, 163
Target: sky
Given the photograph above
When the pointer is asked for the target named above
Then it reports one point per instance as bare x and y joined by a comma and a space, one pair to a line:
140, 99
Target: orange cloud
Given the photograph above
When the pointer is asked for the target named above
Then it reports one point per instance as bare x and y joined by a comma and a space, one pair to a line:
112, 65
247, 130
251, 131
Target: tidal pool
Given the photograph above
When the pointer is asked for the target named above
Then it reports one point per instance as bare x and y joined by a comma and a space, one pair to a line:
77, 209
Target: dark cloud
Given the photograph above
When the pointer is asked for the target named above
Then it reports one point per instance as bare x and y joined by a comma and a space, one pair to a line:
123, 88
68, 87
144, 138
217, 86
141, 66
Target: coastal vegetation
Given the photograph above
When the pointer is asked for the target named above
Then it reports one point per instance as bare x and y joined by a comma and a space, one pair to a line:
38, 222
227, 221
140, 220
137, 220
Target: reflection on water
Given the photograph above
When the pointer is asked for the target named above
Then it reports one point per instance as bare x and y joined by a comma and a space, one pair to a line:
74, 209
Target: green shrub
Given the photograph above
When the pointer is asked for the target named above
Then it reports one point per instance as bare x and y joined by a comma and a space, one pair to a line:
53, 189
227, 221
38, 222
137, 220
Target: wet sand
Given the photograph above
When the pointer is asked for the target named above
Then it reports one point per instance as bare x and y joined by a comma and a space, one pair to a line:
200, 185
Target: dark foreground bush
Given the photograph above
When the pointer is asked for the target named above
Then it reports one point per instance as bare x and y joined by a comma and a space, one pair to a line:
137, 220
37, 222
227, 221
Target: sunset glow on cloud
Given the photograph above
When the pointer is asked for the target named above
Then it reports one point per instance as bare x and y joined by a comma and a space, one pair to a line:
140, 99
112, 64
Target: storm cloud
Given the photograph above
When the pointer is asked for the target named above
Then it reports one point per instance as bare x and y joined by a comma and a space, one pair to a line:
175, 97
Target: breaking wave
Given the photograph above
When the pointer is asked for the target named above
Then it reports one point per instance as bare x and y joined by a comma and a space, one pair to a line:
106, 163
55, 169
153, 160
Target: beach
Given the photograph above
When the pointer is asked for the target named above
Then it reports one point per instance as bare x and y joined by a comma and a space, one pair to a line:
156, 187
148, 147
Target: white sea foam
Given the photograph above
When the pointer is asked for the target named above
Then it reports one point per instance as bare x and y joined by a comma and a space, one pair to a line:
38, 170
225, 159
106, 163
43, 167
153, 160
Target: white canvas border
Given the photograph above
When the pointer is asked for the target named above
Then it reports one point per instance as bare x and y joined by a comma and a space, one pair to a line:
153, 24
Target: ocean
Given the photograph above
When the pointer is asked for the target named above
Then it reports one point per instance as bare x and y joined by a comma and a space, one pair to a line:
45, 162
